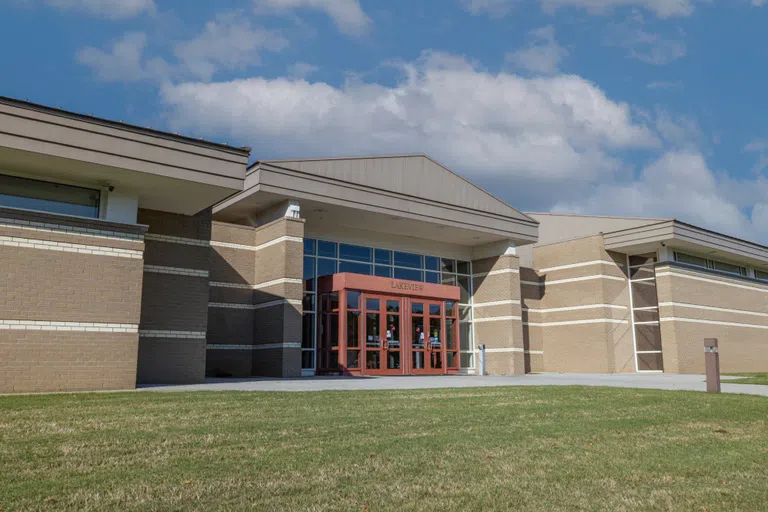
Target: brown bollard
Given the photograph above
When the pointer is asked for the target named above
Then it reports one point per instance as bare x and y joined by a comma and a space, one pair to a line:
712, 364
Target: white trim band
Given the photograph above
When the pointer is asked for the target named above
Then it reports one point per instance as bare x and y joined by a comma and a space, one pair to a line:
257, 247
154, 237
574, 280
284, 280
268, 346
711, 322
577, 322
503, 350
31, 243
280, 302
191, 272
711, 308
497, 272
715, 281
495, 319
154, 333
575, 308
495, 303
47, 227
579, 265
239, 286
43, 325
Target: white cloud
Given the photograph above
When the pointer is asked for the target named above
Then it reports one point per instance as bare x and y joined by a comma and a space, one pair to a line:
759, 146
494, 8
662, 8
649, 47
116, 9
229, 42
559, 129
301, 69
123, 61
348, 16
664, 85
226, 43
680, 184
543, 55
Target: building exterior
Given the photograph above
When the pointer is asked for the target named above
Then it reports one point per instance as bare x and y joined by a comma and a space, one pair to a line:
134, 256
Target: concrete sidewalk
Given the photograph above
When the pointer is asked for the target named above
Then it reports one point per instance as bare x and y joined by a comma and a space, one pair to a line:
630, 380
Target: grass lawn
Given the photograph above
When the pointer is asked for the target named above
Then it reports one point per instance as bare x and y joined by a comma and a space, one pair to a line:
749, 378
519, 448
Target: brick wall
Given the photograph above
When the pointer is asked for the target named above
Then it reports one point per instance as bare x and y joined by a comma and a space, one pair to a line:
174, 312
254, 316
69, 302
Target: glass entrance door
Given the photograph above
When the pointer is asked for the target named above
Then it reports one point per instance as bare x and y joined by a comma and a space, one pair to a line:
383, 349
427, 337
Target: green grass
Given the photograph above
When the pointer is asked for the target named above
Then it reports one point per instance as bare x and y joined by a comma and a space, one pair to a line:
749, 378
519, 448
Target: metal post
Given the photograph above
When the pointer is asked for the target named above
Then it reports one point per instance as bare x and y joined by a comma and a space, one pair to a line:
712, 364
481, 363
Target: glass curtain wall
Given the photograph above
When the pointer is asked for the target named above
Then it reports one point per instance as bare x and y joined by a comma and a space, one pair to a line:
322, 258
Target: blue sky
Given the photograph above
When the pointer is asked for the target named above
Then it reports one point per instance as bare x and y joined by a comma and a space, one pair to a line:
635, 107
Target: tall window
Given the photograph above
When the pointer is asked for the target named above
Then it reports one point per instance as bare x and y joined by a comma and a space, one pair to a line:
45, 196
720, 266
322, 258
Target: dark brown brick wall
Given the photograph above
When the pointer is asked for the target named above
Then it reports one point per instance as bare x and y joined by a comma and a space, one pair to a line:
174, 302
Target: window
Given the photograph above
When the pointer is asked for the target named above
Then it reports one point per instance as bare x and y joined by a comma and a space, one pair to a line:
759, 274
720, 266
50, 197
690, 260
405, 259
355, 253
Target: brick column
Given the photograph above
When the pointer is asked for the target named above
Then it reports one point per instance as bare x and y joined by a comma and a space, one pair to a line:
497, 313
174, 301
277, 298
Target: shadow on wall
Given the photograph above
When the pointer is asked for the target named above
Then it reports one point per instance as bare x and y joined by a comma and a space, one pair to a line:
240, 316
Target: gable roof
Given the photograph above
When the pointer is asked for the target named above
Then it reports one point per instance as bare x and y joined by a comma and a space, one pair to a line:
415, 175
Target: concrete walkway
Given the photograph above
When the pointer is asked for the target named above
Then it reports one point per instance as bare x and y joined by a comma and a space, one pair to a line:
649, 381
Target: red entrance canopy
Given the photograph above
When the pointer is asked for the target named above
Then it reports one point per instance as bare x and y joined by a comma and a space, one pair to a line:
387, 286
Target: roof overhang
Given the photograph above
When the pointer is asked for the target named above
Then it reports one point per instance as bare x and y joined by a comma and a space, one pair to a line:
364, 207
167, 172
680, 236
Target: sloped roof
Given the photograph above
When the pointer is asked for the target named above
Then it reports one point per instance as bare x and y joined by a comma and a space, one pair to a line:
415, 175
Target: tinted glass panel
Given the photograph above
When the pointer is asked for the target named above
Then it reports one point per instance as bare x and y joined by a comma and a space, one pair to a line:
462, 267
432, 277
355, 253
464, 288
384, 271
372, 304
761, 275
406, 273
353, 329
642, 272
353, 300
308, 331
334, 334
434, 309
465, 338
648, 337
690, 259
48, 197
308, 360
431, 263
309, 302
353, 359
325, 267
355, 268
383, 257
467, 360
464, 313
309, 273
450, 333
642, 259
417, 308
449, 280
393, 306
648, 362
327, 249
448, 266
728, 267
333, 300
644, 294
650, 315
405, 259
450, 308
309, 246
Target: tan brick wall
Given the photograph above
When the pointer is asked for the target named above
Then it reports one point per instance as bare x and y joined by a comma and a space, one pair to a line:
595, 339
269, 256
173, 302
500, 327
742, 331
75, 284
35, 361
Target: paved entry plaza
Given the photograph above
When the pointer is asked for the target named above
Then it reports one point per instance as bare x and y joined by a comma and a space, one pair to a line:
646, 381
